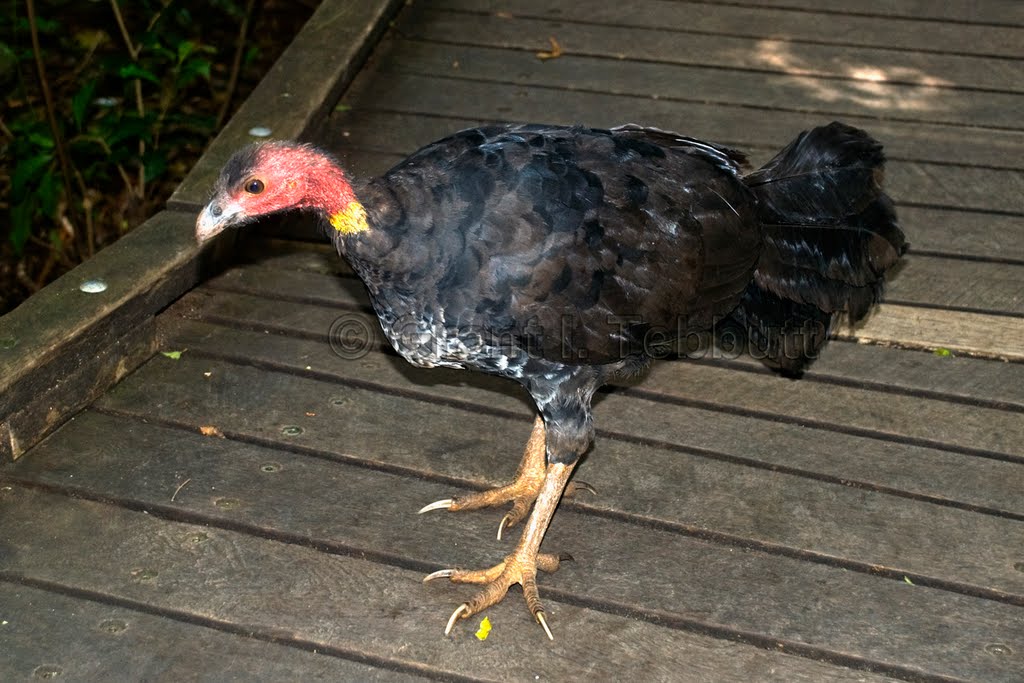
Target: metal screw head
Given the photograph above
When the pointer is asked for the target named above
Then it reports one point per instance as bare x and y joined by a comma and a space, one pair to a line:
291, 430
227, 503
998, 649
260, 132
93, 286
270, 467
340, 401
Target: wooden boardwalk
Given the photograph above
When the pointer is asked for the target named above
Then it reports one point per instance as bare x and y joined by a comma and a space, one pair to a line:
863, 524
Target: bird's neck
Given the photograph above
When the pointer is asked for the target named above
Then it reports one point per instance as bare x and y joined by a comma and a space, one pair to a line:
331, 192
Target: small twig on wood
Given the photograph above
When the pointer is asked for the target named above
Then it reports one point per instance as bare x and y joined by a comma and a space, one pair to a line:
51, 115
180, 487
236, 65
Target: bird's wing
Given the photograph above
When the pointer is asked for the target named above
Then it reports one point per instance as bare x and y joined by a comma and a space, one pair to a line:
577, 242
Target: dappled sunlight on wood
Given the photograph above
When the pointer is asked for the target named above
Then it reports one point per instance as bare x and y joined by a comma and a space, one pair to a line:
871, 86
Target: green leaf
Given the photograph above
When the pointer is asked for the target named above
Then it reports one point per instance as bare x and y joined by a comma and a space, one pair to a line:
185, 48
41, 140
192, 69
173, 355
80, 103
942, 352
49, 191
129, 128
155, 164
251, 54
21, 223
27, 172
908, 581
136, 71
8, 62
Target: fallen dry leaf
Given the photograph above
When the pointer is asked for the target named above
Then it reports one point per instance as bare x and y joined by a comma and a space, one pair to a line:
210, 430
554, 53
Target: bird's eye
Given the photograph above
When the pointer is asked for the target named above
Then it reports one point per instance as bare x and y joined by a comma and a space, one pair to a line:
254, 186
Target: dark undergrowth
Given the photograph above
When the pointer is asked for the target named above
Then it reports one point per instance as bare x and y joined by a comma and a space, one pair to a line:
107, 106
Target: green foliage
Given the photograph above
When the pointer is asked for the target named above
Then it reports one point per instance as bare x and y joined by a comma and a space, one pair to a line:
122, 118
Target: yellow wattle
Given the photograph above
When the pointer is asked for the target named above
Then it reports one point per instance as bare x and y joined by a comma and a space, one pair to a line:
350, 220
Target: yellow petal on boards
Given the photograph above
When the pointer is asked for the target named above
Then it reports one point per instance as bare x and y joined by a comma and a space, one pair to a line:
484, 630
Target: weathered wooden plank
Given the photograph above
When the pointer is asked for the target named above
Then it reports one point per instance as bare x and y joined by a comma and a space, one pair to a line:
954, 283
977, 334
996, 12
300, 88
725, 497
736, 126
909, 417
339, 602
723, 20
45, 406
622, 61
963, 233
947, 377
828, 98
49, 635
702, 429
356, 511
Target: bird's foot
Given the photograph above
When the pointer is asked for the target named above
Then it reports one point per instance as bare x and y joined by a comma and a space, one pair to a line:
519, 567
522, 492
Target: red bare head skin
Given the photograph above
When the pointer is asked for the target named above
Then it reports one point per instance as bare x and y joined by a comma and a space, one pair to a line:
271, 177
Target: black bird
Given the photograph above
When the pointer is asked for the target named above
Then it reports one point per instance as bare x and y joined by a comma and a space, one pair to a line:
564, 257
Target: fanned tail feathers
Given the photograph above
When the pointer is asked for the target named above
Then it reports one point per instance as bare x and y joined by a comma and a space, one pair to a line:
830, 235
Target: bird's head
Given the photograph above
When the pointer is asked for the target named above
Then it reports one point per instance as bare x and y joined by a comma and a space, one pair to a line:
269, 177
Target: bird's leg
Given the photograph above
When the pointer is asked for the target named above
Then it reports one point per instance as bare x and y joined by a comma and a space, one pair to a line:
522, 564
521, 492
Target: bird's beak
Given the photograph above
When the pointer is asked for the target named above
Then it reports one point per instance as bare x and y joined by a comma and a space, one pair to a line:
215, 217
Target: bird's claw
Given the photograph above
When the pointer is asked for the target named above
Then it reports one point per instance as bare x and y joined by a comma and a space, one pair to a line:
574, 487
544, 623
439, 574
505, 521
442, 504
455, 617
